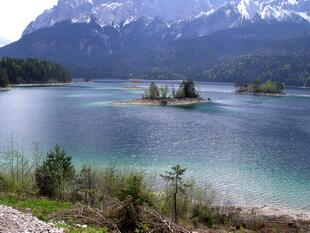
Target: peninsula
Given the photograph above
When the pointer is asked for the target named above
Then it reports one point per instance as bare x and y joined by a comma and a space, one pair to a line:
163, 96
31, 72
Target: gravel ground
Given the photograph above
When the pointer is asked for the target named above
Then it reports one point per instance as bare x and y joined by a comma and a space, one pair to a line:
14, 221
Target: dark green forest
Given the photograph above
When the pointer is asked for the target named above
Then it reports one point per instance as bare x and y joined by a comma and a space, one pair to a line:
292, 69
264, 51
258, 87
31, 71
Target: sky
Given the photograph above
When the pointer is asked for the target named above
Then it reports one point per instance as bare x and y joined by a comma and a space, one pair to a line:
15, 15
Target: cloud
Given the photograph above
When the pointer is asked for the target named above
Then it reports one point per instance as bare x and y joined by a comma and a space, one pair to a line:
4, 41
15, 15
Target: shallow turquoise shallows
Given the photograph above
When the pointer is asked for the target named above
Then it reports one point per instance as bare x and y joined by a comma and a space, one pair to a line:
254, 150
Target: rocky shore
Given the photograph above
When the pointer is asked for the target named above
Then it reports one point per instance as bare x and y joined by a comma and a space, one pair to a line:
164, 102
14, 221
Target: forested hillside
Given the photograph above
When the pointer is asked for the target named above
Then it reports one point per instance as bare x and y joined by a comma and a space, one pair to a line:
29, 71
289, 68
147, 50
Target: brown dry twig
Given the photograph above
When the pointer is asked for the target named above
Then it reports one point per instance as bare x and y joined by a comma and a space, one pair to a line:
105, 217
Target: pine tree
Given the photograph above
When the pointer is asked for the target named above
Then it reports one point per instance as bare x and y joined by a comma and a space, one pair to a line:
154, 92
4, 79
175, 180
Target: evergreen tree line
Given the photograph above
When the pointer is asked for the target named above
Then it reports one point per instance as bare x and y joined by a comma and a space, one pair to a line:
186, 89
31, 71
291, 69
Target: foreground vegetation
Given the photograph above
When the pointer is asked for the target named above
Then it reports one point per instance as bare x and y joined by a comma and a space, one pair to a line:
29, 71
108, 200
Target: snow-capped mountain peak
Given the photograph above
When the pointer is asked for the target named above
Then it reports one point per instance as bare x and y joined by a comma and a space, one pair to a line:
118, 12
248, 9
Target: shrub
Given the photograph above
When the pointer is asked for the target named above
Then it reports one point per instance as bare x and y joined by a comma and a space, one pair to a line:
135, 189
202, 215
112, 182
134, 194
16, 173
56, 171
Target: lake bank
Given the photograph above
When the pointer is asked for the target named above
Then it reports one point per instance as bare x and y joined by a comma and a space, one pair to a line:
164, 102
269, 211
5, 88
41, 215
261, 94
34, 85
41, 85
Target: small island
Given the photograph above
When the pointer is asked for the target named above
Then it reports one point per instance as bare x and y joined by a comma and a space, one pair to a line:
163, 96
258, 88
31, 72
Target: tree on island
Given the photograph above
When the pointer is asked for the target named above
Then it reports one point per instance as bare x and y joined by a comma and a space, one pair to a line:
153, 91
187, 90
4, 78
87, 78
175, 180
164, 92
306, 81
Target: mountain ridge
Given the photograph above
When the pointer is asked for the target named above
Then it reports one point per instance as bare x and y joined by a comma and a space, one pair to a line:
147, 49
172, 12
151, 47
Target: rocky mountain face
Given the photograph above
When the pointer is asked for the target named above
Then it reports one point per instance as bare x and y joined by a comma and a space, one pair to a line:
214, 14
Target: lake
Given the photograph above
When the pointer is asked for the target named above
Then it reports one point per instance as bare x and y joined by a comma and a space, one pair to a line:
254, 150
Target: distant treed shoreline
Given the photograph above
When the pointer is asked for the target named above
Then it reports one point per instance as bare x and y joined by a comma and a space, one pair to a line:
31, 71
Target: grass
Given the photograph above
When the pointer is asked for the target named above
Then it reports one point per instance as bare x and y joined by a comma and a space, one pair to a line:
87, 230
41, 208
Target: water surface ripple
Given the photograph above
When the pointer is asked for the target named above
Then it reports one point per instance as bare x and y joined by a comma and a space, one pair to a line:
253, 149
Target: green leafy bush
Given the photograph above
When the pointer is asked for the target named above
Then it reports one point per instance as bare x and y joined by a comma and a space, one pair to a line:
16, 173
134, 194
55, 172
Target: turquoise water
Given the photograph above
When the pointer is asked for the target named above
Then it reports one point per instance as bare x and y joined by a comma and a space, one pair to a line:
252, 149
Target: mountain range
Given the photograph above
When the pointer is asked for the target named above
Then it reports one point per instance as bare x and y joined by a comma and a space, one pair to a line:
221, 13
171, 38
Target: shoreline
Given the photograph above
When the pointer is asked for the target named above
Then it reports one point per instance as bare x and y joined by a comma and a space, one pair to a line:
41, 84
5, 88
159, 102
261, 94
270, 211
